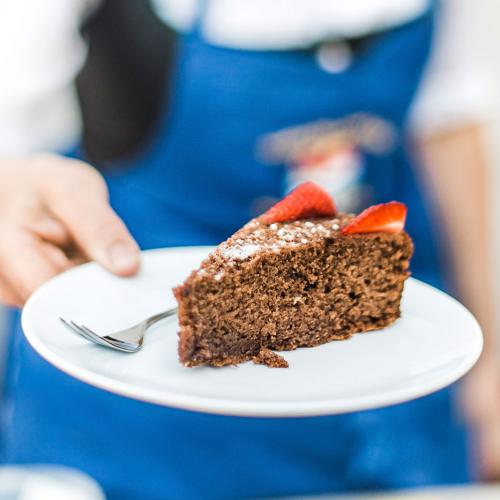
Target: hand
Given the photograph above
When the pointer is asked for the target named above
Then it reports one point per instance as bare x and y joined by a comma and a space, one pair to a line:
481, 398
54, 214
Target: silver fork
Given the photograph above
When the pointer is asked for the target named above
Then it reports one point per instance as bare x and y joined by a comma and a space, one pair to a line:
128, 340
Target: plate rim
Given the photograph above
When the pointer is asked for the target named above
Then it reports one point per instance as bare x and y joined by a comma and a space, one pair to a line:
247, 408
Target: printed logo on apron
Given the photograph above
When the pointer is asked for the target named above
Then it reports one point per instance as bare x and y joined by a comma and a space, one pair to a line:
330, 153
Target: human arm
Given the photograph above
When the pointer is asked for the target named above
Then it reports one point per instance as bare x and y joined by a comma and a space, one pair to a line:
450, 122
455, 164
54, 214
53, 211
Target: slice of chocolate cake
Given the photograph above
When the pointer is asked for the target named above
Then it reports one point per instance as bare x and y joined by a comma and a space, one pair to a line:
278, 284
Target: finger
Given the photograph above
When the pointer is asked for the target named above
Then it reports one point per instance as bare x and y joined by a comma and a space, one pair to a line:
25, 265
78, 259
96, 228
51, 230
57, 256
104, 238
8, 296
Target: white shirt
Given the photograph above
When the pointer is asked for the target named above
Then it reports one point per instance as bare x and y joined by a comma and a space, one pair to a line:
281, 24
41, 52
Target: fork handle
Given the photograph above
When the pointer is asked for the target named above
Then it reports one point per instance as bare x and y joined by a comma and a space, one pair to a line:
158, 317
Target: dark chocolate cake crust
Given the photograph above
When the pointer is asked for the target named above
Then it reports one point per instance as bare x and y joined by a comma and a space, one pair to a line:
288, 285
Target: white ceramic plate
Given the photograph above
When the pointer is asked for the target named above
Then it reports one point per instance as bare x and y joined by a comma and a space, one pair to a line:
434, 343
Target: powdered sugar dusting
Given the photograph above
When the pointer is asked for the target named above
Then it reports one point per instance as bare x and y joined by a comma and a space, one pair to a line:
256, 238
239, 252
219, 275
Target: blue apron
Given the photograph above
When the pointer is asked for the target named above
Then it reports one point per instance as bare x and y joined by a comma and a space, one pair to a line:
196, 183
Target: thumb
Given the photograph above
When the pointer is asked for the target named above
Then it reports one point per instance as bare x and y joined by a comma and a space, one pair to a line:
94, 226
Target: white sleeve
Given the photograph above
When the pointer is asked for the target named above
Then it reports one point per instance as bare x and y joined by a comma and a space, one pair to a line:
457, 87
41, 52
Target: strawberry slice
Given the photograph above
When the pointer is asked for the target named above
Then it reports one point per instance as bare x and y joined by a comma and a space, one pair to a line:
386, 217
306, 200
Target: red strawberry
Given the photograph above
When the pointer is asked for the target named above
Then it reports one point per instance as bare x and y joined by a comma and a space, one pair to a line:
306, 200
386, 217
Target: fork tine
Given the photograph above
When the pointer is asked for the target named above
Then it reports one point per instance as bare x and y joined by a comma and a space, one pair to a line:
128, 340
76, 329
91, 335
92, 338
82, 332
124, 345
87, 331
109, 340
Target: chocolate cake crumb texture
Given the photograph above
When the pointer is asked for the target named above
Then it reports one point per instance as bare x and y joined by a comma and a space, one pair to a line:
270, 358
287, 285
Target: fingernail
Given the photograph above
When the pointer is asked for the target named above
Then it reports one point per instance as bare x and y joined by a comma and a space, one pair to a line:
123, 258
